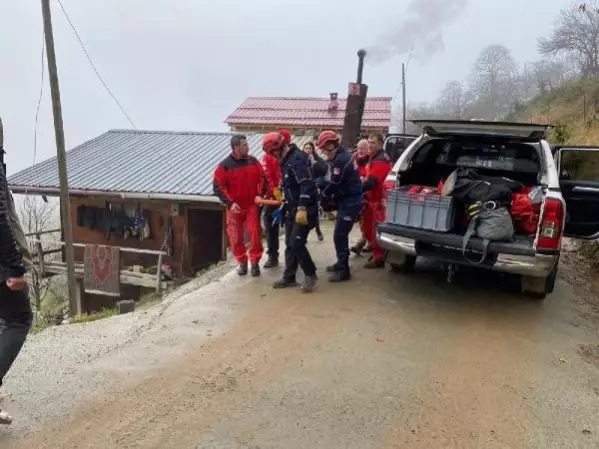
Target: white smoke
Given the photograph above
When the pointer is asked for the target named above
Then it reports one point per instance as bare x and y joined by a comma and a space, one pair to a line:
419, 32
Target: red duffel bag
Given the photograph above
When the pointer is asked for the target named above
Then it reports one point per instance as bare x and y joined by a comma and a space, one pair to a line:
524, 213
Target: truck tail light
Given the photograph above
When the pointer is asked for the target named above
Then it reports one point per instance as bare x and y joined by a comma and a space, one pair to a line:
550, 234
391, 182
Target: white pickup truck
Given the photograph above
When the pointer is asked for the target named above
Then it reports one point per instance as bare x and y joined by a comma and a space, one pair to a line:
569, 177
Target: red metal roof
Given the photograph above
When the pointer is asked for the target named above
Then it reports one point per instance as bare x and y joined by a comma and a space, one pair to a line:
307, 112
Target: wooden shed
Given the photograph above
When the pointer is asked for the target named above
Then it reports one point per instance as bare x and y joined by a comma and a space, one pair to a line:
162, 180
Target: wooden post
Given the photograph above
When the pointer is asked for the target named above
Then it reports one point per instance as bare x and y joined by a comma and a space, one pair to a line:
159, 273
65, 208
40, 254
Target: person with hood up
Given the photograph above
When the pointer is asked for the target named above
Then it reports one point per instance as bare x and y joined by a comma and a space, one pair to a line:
301, 210
343, 190
238, 180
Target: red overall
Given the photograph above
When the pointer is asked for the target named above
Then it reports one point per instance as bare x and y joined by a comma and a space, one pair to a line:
239, 181
375, 195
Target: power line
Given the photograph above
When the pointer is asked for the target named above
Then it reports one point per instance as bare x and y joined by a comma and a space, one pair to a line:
39, 101
93, 65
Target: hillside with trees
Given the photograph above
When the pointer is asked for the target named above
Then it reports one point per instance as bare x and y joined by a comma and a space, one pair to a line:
561, 86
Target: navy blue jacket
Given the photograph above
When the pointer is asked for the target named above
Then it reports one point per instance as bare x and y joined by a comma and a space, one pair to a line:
343, 184
298, 183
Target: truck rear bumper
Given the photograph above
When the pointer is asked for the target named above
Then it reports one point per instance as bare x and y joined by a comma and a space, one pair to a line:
527, 263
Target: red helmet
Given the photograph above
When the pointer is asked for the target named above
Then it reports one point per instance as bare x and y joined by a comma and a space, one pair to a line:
326, 137
286, 135
272, 142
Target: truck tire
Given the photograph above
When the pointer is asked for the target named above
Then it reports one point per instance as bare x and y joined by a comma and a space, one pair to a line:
535, 287
406, 267
539, 288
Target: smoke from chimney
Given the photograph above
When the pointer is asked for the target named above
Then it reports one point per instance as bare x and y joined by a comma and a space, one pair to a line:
420, 29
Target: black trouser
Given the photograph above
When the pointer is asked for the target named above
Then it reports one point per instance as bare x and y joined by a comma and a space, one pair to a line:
317, 226
272, 232
346, 217
15, 321
296, 252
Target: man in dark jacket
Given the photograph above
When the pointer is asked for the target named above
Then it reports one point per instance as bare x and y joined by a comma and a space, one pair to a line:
301, 210
343, 188
15, 308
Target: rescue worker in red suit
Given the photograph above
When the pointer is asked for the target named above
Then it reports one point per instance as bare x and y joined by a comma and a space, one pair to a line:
272, 169
378, 167
361, 156
238, 180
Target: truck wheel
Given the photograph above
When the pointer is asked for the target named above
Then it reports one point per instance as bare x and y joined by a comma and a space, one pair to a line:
535, 287
407, 266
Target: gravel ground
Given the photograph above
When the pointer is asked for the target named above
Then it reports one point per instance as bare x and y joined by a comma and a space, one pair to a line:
55, 369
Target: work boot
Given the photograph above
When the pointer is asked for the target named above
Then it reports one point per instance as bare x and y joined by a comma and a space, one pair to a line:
255, 271
332, 268
284, 283
341, 275
358, 248
5, 418
309, 283
242, 269
372, 264
271, 262
367, 249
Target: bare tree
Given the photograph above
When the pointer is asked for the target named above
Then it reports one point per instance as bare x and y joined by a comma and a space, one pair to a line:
493, 80
452, 101
576, 33
37, 216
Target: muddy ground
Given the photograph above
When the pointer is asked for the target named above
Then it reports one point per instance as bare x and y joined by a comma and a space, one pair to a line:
385, 361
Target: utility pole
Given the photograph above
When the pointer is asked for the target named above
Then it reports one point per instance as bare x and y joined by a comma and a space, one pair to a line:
65, 208
403, 97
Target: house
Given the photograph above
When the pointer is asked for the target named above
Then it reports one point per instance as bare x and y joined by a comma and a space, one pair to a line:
306, 116
164, 176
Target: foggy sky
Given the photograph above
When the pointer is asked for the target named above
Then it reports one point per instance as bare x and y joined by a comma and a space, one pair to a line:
186, 64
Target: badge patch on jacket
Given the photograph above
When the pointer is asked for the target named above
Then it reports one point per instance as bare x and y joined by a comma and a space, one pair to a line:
336, 171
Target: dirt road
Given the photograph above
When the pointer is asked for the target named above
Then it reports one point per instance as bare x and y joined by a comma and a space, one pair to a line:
386, 361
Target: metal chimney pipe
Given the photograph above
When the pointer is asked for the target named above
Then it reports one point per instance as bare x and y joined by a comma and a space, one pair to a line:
361, 55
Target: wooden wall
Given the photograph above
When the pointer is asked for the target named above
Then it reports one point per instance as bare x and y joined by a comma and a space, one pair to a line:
158, 213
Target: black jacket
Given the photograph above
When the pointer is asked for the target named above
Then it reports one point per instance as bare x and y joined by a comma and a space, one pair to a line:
342, 183
298, 183
11, 263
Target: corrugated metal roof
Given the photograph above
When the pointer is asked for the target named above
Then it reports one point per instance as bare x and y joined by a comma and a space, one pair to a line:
142, 162
308, 112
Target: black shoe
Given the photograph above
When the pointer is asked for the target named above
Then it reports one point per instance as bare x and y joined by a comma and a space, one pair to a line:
320, 236
242, 269
285, 283
255, 271
367, 249
356, 250
340, 276
271, 262
309, 283
332, 268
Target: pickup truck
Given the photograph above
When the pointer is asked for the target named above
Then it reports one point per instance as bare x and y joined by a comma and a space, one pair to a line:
568, 176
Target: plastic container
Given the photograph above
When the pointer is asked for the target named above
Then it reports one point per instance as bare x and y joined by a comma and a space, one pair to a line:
416, 210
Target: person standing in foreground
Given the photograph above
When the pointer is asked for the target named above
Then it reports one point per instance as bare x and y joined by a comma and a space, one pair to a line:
15, 308
301, 210
361, 158
378, 167
315, 161
272, 170
343, 188
238, 180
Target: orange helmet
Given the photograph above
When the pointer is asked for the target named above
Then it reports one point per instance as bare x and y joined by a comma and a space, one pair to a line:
286, 135
272, 142
326, 137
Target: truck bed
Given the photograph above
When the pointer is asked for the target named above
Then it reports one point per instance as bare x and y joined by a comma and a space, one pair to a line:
448, 245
